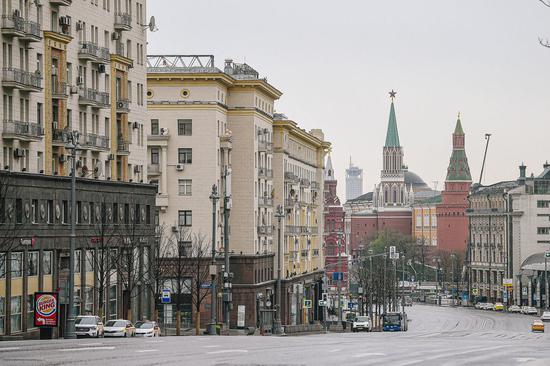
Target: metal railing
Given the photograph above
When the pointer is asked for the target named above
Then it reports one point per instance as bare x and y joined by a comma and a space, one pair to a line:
88, 95
60, 135
315, 186
291, 229
59, 89
12, 22
265, 145
265, 173
289, 176
24, 78
265, 201
265, 230
153, 169
92, 139
32, 29
123, 105
123, 146
92, 49
123, 21
23, 128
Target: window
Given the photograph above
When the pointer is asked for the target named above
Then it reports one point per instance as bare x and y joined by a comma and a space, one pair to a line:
115, 213
89, 300
148, 215
30, 311
19, 211
184, 187
543, 204
2, 265
2, 314
185, 127
15, 317
50, 211
126, 213
138, 213
16, 264
154, 127
185, 156
185, 218
155, 156
543, 230
35, 218
32, 263
46, 263
79, 211
92, 213
65, 213
112, 302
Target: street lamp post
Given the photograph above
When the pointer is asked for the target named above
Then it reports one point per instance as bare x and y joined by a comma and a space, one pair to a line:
453, 256
278, 329
403, 281
70, 322
339, 280
212, 328
546, 255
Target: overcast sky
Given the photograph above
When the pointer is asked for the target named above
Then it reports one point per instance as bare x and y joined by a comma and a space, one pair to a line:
335, 62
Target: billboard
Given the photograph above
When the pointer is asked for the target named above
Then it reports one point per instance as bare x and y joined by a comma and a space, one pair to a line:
46, 309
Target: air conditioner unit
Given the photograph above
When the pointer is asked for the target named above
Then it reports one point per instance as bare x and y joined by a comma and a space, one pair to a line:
79, 27
74, 89
61, 158
19, 153
135, 125
174, 229
101, 69
115, 36
180, 167
164, 131
119, 105
65, 21
79, 80
54, 70
16, 13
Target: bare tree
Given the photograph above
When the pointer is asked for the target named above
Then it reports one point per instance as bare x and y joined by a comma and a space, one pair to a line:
157, 276
11, 216
544, 41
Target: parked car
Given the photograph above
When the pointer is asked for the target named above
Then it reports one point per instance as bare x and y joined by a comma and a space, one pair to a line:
488, 306
545, 317
529, 310
147, 329
89, 326
119, 328
361, 323
479, 305
537, 326
408, 301
498, 306
514, 309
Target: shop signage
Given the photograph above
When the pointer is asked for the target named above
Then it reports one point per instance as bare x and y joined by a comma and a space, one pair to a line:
46, 309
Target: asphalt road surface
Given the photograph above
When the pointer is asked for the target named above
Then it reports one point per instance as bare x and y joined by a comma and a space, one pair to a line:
436, 336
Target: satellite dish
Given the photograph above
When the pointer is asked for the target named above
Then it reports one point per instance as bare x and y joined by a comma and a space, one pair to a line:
152, 25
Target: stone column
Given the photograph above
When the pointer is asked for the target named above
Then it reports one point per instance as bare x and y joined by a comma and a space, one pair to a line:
164, 173
530, 290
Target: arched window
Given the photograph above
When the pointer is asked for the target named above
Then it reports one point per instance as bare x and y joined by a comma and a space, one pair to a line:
394, 195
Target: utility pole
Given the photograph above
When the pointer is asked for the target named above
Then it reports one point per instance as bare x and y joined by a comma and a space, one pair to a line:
490, 297
70, 321
278, 309
487, 137
453, 274
227, 275
403, 281
339, 279
213, 270
546, 255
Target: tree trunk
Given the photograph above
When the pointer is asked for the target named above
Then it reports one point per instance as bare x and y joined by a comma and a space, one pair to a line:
130, 314
178, 323
198, 322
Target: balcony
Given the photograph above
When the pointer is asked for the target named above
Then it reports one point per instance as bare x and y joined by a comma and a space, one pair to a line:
265, 230
93, 97
305, 182
123, 21
31, 31
13, 25
60, 90
265, 173
265, 201
24, 131
22, 80
61, 2
154, 169
60, 137
89, 51
290, 177
122, 106
292, 230
315, 186
96, 142
123, 147
265, 146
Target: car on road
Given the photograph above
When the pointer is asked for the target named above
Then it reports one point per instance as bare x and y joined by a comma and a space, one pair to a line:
529, 310
361, 323
537, 326
498, 306
147, 329
479, 305
488, 306
545, 317
119, 328
408, 301
514, 309
89, 326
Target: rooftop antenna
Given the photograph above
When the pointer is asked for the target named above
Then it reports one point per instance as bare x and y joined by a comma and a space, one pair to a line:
487, 137
152, 25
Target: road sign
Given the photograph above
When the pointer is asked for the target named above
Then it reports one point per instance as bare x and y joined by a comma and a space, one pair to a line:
322, 303
547, 254
206, 285
307, 304
337, 276
166, 296
392, 252
360, 290
474, 291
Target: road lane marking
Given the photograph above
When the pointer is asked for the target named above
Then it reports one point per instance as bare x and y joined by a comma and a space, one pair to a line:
211, 346
228, 351
357, 355
3, 349
147, 350
86, 348
90, 344
335, 350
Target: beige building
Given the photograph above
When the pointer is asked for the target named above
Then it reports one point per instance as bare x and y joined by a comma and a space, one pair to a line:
74, 65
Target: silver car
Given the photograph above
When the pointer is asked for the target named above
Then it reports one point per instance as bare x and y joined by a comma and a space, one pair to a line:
89, 326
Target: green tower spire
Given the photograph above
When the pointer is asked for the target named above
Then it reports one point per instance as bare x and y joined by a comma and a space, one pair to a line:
392, 136
458, 170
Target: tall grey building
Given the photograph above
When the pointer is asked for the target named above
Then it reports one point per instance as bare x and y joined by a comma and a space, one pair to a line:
354, 181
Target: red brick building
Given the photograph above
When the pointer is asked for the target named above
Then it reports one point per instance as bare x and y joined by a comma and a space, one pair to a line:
452, 223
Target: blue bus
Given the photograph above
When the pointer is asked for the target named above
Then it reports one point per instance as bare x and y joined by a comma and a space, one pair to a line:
394, 322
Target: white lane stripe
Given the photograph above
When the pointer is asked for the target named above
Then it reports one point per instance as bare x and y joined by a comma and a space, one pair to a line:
211, 346
228, 351
86, 348
90, 344
335, 350
368, 354
9, 349
147, 350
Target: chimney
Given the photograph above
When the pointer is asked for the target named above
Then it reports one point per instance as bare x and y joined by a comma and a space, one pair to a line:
522, 171
546, 165
228, 69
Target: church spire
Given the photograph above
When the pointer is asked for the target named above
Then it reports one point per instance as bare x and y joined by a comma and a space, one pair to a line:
392, 135
459, 169
329, 172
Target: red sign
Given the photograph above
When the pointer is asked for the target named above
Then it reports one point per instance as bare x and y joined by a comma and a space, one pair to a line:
46, 309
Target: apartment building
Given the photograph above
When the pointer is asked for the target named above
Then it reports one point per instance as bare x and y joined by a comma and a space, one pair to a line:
74, 65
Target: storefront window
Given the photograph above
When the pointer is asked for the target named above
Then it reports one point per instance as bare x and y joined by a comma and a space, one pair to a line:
112, 302
16, 264
47, 263
77, 261
15, 317
2, 314
89, 300
32, 263
2, 265
30, 311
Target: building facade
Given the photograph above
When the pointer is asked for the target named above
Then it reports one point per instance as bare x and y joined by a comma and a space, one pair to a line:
114, 219
354, 182
73, 65
452, 231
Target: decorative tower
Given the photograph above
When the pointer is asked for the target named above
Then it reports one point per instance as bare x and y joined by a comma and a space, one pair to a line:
452, 226
331, 197
392, 190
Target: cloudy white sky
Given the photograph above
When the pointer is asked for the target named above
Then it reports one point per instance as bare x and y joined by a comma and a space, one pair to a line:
335, 61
